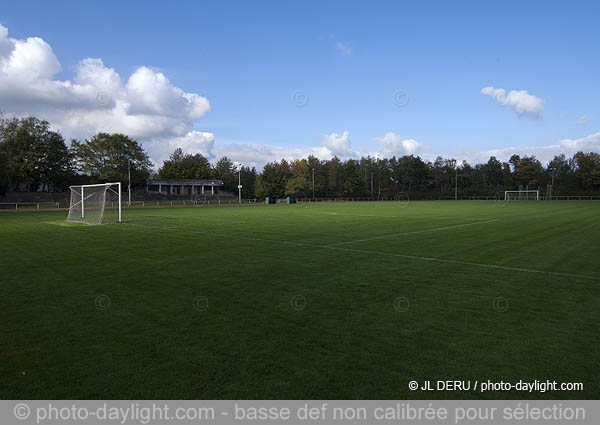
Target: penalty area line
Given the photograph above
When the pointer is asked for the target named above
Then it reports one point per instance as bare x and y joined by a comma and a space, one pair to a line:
371, 252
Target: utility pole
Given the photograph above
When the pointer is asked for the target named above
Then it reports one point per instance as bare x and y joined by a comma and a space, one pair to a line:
240, 183
129, 185
371, 185
313, 171
456, 183
549, 191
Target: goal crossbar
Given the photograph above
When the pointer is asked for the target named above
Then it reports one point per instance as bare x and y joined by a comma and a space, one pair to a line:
97, 185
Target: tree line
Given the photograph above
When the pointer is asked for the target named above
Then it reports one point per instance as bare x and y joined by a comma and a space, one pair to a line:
410, 174
33, 157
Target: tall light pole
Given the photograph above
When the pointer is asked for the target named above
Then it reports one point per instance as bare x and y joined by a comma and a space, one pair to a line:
240, 183
549, 191
553, 170
313, 172
129, 185
371, 185
456, 183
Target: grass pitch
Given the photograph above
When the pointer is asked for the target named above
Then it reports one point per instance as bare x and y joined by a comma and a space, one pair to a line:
315, 301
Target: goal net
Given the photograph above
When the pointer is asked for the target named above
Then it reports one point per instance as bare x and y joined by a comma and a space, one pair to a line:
95, 203
522, 195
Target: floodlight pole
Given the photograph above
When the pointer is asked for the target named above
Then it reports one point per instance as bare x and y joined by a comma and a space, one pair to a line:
129, 188
456, 183
313, 182
240, 183
371, 185
82, 206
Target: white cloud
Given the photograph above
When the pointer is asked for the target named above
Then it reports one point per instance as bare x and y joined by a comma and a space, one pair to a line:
6, 44
581, 121
257, 154
147, 106
151, 93
195, 142
391, 144
344, 49
520, 101
544, 153
335, 144
394, 145
588, 143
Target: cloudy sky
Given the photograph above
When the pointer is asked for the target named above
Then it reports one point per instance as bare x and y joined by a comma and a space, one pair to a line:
258, 81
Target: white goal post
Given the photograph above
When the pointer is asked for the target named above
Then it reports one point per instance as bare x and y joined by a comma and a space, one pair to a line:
522, 195
95, 203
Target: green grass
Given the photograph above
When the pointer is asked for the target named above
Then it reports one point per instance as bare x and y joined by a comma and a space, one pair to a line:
113, 311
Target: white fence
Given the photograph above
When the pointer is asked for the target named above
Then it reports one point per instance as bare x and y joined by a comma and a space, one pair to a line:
576, 198
28, 205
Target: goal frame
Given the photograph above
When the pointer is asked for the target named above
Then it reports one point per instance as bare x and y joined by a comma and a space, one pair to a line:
537, 194
83, 186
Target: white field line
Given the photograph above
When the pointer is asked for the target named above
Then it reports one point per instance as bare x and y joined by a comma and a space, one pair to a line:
393, 216
223, 220
413, 233
379, 253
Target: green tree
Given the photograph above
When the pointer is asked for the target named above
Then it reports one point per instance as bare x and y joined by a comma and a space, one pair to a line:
561, 172
527, 170
507, 175
172, 168
185, 166
3, 171
32, 154
248, 178
106, 158
412, 173
271, 182
385, 178
300, 183
493, 177
226, 171
588, 169
298, 186
351, 181
333, 170
367, 166
320, 180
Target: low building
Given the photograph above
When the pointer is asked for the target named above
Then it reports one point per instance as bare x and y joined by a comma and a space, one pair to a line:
187, 187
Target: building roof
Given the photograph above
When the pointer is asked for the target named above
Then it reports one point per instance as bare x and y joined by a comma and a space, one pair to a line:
195, 182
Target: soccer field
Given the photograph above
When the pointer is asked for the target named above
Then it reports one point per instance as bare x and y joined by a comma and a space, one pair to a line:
313, 301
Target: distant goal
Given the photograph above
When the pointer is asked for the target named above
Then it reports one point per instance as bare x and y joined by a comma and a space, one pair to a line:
95, 203
522, 195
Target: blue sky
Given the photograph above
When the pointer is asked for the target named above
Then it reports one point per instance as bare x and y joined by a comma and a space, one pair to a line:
289, 78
